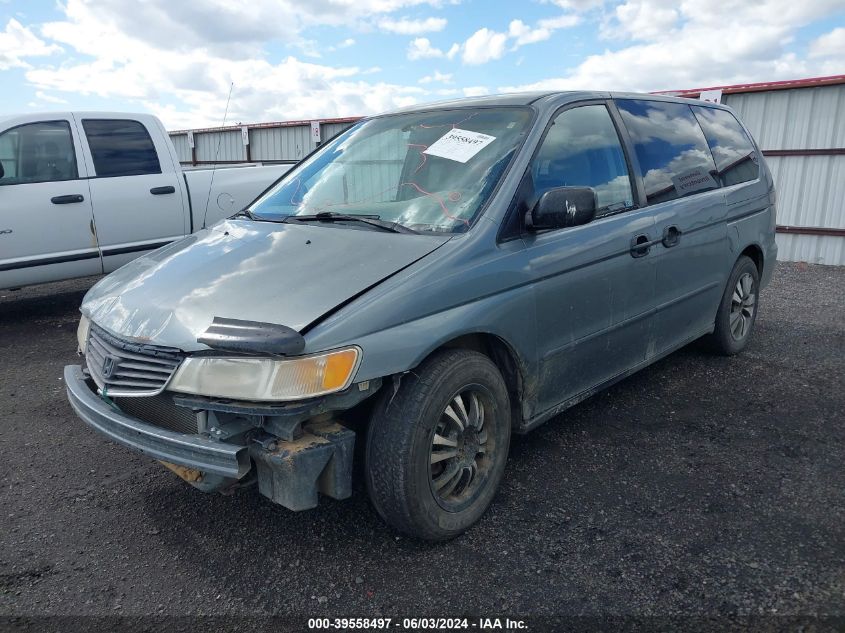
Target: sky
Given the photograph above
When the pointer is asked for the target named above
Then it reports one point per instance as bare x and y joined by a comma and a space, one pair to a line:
297, 59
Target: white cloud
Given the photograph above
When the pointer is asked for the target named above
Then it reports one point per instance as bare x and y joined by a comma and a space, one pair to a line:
698, 44
483, 46
421, 48
829, 45
404, 26
579, 6
524, 34
188, 87
564, 21
643, 19
437, 77
18, 42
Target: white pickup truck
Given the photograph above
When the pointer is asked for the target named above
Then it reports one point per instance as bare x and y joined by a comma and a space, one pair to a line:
82, 193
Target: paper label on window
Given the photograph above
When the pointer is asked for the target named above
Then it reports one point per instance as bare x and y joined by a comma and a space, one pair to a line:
459, 145
692, 180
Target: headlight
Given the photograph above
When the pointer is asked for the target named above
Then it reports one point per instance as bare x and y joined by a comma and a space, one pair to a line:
267, 378
82, 333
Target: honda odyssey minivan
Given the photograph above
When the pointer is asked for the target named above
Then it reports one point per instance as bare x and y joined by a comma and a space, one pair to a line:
422, 286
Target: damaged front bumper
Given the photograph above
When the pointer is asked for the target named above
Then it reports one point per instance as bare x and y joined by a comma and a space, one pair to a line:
292, 466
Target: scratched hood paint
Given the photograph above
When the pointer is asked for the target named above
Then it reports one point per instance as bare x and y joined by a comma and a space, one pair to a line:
256, 271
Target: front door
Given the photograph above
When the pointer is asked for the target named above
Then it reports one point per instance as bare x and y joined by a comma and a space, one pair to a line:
46, 223
593, 295
136, 192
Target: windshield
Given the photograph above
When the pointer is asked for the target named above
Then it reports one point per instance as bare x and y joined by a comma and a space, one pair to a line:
428, 171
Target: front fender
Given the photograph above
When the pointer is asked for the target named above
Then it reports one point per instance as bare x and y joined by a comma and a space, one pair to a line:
509, 316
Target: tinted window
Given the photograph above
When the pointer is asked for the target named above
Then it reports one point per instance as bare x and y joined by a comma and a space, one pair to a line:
121, 148
582, 149
37, 152
674, 158
736, 160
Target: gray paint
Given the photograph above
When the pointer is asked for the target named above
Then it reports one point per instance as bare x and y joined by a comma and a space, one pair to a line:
573, 307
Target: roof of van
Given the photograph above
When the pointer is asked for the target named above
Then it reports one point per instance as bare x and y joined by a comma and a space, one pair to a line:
507, 99
551, 98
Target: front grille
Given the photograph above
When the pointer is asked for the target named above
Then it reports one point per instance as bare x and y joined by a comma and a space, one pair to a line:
125, 368
160, 411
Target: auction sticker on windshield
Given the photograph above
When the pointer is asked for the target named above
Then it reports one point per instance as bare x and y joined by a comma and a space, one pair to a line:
459, 145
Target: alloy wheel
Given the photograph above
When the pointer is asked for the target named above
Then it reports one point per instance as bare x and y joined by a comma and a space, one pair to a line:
743, 304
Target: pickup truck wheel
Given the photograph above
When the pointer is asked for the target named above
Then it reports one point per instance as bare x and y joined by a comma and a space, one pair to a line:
737, 310
436, 449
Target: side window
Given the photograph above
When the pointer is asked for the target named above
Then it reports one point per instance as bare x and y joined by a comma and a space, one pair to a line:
37, 152
582, 149
674, 158
121, 147
736, 160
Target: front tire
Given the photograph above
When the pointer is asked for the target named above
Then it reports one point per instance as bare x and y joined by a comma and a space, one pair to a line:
737, 310
437, 447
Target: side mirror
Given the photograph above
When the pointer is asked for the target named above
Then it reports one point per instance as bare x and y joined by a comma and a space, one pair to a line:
2, 171
561, 207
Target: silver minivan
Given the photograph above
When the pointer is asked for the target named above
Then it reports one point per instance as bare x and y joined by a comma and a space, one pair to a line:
422, 286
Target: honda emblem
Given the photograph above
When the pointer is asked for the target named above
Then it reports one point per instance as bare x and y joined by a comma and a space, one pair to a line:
109, 365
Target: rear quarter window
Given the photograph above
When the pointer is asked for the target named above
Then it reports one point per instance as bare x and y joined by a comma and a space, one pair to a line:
671, 149
121, 147
736, 159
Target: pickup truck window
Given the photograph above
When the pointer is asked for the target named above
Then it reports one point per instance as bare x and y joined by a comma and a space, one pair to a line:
121, 147
37, 152
428, 171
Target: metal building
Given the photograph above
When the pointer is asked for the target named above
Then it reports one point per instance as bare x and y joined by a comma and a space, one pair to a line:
799, 126
280, 142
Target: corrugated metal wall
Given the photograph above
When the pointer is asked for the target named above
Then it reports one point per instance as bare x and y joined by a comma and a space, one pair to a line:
267, 144
231, 146
328, 130
811, 189
183, 148
280, 143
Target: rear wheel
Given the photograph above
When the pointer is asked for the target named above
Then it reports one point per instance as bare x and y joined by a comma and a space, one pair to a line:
436, 449
737, 310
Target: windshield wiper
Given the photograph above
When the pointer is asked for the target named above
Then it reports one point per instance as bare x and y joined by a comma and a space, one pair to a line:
331, 216
244, 213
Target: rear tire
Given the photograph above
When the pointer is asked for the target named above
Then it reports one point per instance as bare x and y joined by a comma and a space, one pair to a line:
437, 447
738, 309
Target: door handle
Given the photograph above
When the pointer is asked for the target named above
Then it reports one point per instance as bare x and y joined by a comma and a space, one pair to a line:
158, 191
640, 245
671, 236
71, 199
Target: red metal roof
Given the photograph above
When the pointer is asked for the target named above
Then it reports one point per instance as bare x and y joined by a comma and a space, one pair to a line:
811, 82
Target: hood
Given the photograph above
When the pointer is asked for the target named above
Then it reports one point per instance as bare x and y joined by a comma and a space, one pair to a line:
288, 274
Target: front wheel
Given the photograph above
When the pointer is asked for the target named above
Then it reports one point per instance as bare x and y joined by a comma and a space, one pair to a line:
737, 310
437, 447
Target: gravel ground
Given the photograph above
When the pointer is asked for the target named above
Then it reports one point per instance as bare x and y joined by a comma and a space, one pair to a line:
700, 486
